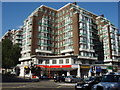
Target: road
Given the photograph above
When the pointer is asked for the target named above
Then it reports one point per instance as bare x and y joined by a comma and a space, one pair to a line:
14, 83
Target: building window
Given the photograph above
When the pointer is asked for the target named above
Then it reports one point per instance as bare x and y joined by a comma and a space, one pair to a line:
47, 62
53, 61
40, 61
83, 62
60, 61
67, 61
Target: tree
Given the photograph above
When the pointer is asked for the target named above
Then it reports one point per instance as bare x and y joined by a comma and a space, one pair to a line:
10, 54
16, 53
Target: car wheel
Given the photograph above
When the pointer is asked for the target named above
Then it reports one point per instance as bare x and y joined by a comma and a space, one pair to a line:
60, 81
72, 81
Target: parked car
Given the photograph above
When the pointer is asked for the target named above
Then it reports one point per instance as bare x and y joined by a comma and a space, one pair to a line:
72, 79
88, 83
34, 78
110, 81
13, 73
59, 78
44, 77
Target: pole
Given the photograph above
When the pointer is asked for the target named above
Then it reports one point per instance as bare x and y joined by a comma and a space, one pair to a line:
112, 65
49, 71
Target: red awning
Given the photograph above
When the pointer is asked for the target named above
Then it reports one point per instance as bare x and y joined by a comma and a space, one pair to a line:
54, 66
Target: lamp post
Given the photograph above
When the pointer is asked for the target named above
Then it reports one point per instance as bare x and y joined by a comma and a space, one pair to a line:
112, 65
49, 71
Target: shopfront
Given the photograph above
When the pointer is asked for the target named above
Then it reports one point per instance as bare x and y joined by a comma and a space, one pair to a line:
84, 69
52, 70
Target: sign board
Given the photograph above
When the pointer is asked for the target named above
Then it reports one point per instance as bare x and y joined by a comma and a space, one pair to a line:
74, 66
87, 67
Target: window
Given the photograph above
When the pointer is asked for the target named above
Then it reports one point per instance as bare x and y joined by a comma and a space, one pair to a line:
60, 61
83, 62
47, 62
67, 61
54, 62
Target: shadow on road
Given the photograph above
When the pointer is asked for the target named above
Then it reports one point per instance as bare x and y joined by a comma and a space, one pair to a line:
10, 78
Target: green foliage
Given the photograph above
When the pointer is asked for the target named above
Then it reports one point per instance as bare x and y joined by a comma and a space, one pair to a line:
10, 53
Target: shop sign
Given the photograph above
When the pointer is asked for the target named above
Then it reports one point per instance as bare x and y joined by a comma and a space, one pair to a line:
74, 66
103, 67
25, 66
85, 66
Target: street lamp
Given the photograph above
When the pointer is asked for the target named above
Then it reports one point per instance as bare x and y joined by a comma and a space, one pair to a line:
49, 71
112, 65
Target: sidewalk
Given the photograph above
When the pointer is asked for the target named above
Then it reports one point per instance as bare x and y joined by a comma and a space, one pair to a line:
66, 84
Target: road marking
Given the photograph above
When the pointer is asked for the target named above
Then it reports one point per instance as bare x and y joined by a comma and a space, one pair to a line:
15, 83
12, 87
65, 84
59, 86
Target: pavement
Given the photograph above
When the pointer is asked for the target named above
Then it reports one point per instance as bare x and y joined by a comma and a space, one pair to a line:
66, 84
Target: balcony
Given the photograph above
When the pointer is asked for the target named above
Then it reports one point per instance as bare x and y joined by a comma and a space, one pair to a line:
25, 51
82, 34
85, 49
83, 41
87, 57
66, 50
43, 51
24, 58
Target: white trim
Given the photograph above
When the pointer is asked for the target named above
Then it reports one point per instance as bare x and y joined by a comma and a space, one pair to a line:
85, 57
110, 60
63, 6
43, 51
81, 49
85, 10
66, 50
25, 51
48, 7
25, 58
98, 17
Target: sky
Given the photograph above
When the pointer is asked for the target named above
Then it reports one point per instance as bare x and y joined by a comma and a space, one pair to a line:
14, 13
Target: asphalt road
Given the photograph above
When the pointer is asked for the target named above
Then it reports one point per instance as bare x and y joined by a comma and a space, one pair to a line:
15, 83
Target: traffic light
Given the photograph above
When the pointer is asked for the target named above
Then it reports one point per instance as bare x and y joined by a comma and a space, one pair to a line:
26, 70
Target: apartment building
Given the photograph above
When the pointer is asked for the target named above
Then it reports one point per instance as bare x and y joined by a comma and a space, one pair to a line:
65, 41
17, 37
108, 35
8, 35
14, 35
119, 48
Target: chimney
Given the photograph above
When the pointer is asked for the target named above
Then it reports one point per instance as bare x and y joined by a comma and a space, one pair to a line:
75, 3
102, 15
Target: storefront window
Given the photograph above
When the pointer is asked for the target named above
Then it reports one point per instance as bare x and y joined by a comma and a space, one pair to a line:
61, 62
54, 62
67, 61
40, 61
47, 62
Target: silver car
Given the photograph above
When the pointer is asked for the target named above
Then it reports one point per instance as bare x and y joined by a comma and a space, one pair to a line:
110, 81
73, 79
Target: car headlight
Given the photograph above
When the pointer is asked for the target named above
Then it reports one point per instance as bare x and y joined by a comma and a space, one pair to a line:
76, 84
86, 84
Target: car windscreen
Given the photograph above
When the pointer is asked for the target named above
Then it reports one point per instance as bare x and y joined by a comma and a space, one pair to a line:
89, 79
110, 78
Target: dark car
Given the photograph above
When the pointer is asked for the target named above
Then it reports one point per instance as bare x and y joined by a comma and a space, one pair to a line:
59, 78
88, 83
44, 77
73, 79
